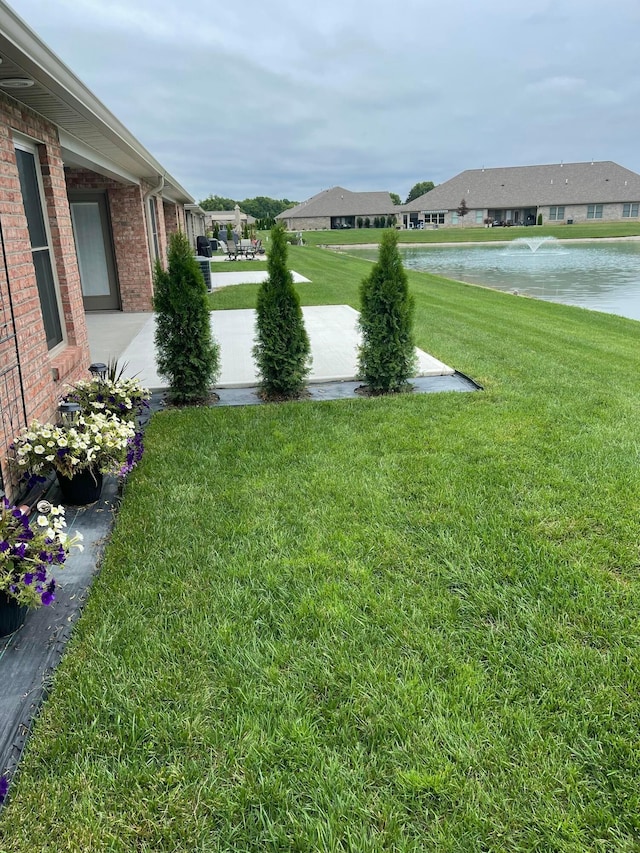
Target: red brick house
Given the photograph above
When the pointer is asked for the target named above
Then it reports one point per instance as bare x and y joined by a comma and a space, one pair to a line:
84, 212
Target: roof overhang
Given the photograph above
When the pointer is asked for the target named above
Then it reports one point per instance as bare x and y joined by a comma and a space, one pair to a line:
90, 135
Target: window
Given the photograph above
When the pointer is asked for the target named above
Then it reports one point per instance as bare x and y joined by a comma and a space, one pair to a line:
556, 213
454, 217
32, 195
630, 209
153, 229
435, 218
479, 217
594, 211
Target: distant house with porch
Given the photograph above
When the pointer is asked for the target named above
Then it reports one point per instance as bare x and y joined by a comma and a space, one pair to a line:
85, 211
338, 208
518, 195
226, 217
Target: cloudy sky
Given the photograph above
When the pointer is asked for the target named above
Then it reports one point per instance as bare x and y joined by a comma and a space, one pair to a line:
288, 97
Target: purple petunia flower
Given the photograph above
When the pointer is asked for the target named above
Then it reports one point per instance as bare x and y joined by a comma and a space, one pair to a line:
47, 596
41, 574
27, 578
4, 545
4, 788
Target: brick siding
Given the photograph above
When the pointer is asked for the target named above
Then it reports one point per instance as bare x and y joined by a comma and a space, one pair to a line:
44, 373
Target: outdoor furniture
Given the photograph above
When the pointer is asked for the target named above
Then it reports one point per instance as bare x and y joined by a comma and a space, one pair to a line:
229, 249
247, 249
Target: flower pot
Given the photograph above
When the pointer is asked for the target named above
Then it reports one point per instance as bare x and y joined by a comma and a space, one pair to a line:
12, 614
83, 488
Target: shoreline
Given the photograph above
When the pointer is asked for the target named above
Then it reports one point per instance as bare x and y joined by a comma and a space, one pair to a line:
424, 244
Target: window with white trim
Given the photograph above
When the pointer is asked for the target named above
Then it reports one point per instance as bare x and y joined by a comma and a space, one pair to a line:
435, 218
479, 217
630, 209
556, 213
153, 228
454, 217
37, 224
594, 211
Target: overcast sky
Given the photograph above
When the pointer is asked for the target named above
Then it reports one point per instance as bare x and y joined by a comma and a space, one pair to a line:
285, 98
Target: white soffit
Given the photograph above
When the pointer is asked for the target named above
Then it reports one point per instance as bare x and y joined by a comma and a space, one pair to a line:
59, 96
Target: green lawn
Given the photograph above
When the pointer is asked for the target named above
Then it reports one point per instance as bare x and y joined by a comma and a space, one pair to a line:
460, 234
403, 624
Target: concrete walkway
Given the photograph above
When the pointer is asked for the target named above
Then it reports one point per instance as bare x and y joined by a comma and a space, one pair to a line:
224, 279
332, 333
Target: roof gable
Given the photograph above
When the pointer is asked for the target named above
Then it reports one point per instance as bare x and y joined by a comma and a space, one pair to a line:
338, 201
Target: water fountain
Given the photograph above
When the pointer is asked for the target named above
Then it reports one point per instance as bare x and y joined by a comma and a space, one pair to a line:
601, 275
534, 243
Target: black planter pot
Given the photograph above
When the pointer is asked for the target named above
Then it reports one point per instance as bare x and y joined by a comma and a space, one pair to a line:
12, 614
83, 488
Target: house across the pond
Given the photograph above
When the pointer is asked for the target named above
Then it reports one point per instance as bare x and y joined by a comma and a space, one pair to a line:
526, 195
340, 208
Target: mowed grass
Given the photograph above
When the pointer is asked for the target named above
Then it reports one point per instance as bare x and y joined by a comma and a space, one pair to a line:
475, 234
403, 624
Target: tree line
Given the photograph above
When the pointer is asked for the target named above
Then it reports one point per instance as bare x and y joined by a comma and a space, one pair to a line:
260, 207
264, 208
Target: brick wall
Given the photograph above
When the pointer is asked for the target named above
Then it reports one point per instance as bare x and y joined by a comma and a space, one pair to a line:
129, 231
44, 373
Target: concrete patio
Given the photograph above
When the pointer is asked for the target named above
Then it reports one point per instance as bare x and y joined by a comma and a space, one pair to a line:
332, 332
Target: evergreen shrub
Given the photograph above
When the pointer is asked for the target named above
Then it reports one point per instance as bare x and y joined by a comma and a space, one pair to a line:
386, 357
282, 351
188, 355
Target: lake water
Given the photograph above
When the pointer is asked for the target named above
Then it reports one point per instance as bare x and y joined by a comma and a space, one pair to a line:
601, 276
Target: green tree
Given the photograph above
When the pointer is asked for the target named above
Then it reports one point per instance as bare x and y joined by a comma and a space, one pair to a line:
419, 189
263, 207
359, 222
282, 351
367, 222
391, 220
395, 198
188, 355
217, 202
386, 357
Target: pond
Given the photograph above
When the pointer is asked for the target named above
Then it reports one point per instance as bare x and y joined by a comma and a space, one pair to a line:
601, 276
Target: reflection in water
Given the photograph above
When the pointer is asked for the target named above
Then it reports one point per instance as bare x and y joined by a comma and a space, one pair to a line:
596, 275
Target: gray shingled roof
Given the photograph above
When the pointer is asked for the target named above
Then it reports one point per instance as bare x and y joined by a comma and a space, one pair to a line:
524, 186
340, 202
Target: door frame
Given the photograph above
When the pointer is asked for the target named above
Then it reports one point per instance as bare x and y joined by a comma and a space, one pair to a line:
110, 302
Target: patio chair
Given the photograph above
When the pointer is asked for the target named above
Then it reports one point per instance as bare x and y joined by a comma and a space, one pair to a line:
247, 248
229, 249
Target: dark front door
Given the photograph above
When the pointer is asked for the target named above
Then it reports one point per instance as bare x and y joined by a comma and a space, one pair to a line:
94, 248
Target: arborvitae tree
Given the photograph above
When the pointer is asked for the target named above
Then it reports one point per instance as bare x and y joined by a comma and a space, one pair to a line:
282, 351
391, 220
188, 355
359, 222
367, 222
386, 356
